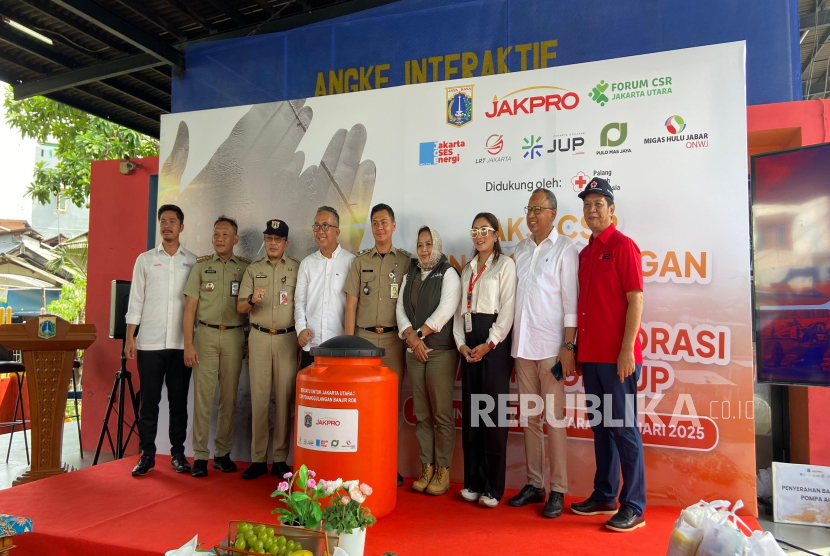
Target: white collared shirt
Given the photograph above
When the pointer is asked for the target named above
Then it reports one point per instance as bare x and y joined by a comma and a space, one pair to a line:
546, 295
447, 304
319, 301
493, 293
157, 297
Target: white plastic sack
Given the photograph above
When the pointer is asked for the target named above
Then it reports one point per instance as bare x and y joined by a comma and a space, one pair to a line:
187, 549
688, 531
722, 537
762, 543
763, 484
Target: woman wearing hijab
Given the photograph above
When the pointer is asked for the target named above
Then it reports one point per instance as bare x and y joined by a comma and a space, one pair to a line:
482, 333
430, 295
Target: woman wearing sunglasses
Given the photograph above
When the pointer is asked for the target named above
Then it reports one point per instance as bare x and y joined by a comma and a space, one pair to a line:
430, 294
482, 334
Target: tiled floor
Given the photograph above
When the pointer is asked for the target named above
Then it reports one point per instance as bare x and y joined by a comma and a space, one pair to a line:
816, 540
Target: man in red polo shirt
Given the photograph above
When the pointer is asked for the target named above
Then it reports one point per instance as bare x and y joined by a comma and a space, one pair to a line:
608, 324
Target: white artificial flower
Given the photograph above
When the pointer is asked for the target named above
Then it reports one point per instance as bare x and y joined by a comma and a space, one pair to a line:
332, 486
349, 485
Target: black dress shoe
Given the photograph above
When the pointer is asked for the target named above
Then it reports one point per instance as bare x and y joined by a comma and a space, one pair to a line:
592, 506
145, 465
279, 469
625, 520
256, 469
199, 468
554, 505
400, 480
180, 463
528, 495
224, 464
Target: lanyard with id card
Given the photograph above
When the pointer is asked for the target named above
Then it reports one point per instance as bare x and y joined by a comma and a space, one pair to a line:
468, 317
283, 293
393, 291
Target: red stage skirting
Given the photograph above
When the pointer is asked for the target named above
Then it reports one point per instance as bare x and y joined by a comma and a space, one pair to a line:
103, 510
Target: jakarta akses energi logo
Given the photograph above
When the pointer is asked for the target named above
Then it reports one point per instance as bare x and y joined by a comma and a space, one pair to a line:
675, 125
439, 152
459, 105
530, 99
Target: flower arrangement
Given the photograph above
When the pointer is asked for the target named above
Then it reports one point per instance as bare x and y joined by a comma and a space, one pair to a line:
344, 512
302, 504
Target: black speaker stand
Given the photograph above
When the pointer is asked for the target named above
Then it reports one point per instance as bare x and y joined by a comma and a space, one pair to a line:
122, 378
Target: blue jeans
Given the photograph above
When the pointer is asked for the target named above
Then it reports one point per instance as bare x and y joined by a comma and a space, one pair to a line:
617, 447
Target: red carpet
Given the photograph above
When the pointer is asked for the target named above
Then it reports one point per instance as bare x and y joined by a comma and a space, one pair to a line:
103, 510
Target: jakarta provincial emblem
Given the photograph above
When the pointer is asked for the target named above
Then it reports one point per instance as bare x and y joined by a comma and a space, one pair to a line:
459, 105
46, 327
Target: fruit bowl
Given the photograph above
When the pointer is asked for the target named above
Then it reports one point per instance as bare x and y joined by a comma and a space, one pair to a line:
276, 540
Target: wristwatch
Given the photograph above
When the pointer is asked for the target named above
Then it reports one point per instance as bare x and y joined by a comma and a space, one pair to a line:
251, 303
420, 334
569, 346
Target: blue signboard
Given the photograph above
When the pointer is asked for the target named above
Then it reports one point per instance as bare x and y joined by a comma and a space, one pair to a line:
414, 41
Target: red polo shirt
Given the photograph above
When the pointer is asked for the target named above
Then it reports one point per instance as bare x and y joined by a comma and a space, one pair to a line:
609, 266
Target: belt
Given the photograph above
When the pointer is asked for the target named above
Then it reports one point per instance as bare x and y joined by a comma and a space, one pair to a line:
273, 332
381, 329
220, 326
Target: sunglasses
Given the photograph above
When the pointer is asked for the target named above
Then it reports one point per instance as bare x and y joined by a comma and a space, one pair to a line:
475, 232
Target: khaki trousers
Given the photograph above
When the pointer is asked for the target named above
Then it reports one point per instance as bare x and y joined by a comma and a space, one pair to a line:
395, 349
433, 384
273, 369
220, 358
534, 377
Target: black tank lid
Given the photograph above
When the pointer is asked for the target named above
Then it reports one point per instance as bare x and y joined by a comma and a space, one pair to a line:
347, 346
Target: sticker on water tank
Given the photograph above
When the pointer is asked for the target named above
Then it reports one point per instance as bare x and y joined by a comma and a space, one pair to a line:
327, 430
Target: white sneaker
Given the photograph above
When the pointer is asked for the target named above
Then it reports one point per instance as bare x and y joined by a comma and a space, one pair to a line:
469, 495
487, 501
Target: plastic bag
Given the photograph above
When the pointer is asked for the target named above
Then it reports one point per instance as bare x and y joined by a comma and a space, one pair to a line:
722, 537
762, 543
687, 532
187, 549
763, 484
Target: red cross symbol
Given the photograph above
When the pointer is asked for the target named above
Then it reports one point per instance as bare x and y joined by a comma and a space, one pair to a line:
579, 181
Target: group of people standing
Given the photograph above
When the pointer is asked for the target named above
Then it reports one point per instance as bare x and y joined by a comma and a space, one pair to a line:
527, 312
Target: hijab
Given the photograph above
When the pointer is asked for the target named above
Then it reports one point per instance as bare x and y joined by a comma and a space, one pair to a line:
436, 255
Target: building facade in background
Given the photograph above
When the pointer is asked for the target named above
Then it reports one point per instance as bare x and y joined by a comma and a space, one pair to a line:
60, 217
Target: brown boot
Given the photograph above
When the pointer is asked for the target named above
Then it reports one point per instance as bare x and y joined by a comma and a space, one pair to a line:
426, 476
440, 482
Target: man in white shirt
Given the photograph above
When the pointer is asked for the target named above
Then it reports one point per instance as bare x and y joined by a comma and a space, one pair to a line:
157, 304
544, 328
319, 301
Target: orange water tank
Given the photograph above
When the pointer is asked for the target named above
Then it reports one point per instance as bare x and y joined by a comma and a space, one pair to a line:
347, 418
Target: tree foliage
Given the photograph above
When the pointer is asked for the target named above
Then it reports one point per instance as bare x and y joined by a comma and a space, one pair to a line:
71, 305
71, 254
81, 139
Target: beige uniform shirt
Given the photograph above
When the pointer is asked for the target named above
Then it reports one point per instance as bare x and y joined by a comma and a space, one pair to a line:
215, 285
375, 274
271, 311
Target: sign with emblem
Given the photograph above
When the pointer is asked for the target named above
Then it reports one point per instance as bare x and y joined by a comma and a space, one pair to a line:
459, 105
47, 327
307, 420
328, 430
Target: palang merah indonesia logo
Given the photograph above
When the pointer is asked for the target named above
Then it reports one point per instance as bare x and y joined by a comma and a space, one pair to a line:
459, 105
675, 125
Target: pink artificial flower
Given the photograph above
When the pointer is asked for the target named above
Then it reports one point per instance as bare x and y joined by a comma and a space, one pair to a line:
344, 500
311, 474
288, 475
365, 489
322, 484
311, 483
283, 486
356, 495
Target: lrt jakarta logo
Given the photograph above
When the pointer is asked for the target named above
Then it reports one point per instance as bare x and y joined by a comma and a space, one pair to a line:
494, 144
459, 105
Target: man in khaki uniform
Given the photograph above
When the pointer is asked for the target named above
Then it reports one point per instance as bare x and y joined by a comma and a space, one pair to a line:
267, 293
372, 290
211, 293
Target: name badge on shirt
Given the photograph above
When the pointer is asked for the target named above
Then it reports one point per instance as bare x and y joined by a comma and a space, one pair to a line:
468, 322
235, 288
283, 297
393, 293
261, 276
210, 271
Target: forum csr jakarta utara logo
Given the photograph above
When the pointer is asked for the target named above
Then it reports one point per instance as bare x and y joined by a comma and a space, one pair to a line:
623, 90
531, 99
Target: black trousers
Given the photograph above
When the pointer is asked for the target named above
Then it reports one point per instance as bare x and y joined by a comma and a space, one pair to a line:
305, 359
155, 368
485, 448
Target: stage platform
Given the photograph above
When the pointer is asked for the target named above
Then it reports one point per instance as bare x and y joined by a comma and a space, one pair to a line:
103, 510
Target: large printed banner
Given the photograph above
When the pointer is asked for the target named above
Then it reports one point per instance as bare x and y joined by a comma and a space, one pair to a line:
667, 130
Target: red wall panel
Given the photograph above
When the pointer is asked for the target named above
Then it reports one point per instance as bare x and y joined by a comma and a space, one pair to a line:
117, 235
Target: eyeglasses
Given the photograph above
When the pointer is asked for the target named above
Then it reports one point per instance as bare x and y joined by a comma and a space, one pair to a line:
325, 227
475, 232
273, 239
536, 210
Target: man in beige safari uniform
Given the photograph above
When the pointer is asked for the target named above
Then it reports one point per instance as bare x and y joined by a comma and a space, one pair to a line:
216, 353
267, 293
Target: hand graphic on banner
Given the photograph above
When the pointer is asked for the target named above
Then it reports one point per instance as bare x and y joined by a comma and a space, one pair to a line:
254, 176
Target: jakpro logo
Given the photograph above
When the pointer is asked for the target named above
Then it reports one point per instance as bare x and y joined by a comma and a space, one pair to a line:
527, 104
621, 127
675, 125
327, 423
494, 144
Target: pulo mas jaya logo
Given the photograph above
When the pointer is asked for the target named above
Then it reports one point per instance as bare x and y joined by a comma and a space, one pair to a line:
603, 93
439, 152
607, 138
675, 126
459, 105
533, 99
494, 145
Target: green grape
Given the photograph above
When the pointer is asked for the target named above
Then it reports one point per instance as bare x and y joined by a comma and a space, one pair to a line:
270, 531
240, 543
282, 541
